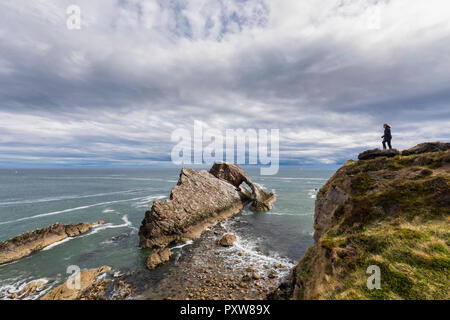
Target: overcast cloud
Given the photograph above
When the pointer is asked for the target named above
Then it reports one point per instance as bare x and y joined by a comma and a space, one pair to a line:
324, 72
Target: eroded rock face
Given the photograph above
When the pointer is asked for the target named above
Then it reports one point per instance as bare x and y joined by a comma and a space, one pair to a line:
158, 257
376, 153
27, 243
236, 176
198, 201
326, 206
90, 287
227, 240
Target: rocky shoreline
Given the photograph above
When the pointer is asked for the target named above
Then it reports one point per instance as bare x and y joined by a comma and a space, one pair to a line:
390, 209
30, 242
200, 200
207, 269
197, 205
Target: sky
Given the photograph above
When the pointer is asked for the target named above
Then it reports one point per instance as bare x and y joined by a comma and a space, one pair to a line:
326, 73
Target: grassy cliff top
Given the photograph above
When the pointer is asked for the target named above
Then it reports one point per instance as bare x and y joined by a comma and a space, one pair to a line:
395, 216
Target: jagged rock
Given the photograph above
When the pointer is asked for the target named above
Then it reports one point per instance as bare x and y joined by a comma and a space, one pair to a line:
158, 257
90, 288
29, 289
236, 176
27, 243
198, 201
427, 147
376, 153
227, 240
77, 229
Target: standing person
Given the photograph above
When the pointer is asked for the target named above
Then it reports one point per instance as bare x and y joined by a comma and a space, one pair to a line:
387, 136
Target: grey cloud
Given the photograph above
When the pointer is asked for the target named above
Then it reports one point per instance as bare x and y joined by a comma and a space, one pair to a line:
116, 89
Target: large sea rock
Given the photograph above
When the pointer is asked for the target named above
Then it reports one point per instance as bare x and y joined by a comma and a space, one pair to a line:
27, 243
232, 173
199, 200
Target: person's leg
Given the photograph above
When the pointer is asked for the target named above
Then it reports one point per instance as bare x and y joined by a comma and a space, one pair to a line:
389, 144
384, 144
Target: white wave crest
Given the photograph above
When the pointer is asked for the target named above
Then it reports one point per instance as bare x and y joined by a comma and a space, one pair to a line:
69, 210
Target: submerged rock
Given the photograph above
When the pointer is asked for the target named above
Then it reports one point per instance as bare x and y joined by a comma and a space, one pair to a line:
27, 243
227, 240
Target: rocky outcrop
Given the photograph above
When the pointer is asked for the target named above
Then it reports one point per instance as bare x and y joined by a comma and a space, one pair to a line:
326, 206
198, 201
391, 212
158, 257
227, 240
27, 243
235, 175
29, 289
376, 153
90, 287
427, 147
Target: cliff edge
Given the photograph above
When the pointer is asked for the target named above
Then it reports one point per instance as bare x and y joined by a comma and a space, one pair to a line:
390, 210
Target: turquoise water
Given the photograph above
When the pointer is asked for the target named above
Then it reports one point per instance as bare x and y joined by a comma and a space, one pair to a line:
35, 198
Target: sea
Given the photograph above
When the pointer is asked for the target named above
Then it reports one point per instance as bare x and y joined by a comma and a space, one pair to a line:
36, 198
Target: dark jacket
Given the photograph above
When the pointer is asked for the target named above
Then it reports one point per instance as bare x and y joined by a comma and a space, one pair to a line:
387, 134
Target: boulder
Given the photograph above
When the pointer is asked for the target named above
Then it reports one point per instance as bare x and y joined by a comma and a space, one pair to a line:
227, 240
376, 153
158, 257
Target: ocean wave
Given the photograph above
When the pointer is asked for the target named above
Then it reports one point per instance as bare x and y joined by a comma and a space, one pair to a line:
183, 245
312, 193
19, 284
252, 256
30, 201
95, 230
146, 200
106, 178
57, 244
98, 228
69, 210
287, 214
249, 246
